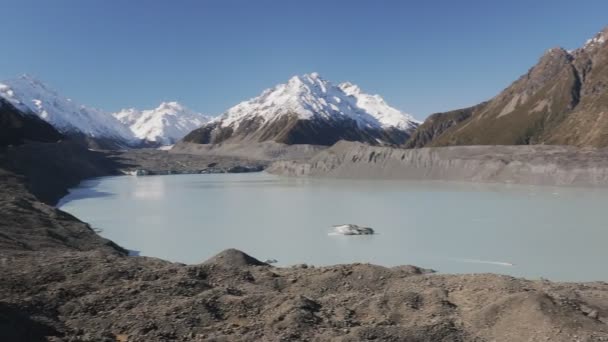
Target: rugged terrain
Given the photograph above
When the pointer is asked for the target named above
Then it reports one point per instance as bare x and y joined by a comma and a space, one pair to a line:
61, 281
538, 165
102, 296
562, 100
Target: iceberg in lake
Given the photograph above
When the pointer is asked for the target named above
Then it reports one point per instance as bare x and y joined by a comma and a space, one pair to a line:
351, 229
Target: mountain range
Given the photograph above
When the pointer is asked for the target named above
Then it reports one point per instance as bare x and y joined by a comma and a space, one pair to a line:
306, 110
562, 100
127, 128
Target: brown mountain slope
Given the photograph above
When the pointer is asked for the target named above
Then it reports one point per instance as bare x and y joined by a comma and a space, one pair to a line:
289, 129
561, 100
587, 125
436, 124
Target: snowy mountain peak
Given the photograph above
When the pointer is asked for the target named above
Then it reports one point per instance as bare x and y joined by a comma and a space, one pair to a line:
309, 109
33, 96
172, 106
308, 83
310, 96
164, 125
599, 39
350, 88
309, 79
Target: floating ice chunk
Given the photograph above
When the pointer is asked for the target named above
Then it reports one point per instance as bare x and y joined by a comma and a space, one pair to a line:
351, 229
489, 262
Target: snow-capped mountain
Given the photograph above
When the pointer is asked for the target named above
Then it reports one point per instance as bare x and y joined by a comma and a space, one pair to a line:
127, 128
163, 125
309, 110
34, 97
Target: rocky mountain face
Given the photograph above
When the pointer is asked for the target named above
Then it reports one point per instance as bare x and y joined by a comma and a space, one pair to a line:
436, 124
17, 128
163, 125
309, 110
561, 100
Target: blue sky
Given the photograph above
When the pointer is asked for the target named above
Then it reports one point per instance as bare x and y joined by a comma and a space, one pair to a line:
421, 56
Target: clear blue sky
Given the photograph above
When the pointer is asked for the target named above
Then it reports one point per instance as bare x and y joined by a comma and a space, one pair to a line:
422, 56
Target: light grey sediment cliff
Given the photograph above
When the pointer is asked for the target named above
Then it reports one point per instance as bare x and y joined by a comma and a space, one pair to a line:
538, 165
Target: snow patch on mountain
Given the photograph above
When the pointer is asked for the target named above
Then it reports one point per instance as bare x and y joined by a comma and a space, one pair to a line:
163, 125
599, 39
34, 97
310, 96
375, 105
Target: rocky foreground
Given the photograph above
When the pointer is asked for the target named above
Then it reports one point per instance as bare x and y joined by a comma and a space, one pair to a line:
101, 296
62, 282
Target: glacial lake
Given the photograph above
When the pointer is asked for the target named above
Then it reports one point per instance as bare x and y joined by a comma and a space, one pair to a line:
529, 231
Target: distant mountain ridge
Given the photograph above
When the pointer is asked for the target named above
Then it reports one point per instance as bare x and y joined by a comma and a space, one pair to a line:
309, 110
33, 97
99, 129
164, 125
562, 100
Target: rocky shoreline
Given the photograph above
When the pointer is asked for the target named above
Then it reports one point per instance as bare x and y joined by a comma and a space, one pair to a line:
63, 282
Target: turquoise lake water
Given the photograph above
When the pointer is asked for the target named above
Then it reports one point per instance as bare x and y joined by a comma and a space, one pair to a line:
551, 232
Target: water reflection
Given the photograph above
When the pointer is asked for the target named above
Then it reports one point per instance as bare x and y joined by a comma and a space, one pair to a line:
151, 188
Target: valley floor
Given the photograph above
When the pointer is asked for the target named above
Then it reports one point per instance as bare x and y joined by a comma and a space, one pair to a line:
62, 282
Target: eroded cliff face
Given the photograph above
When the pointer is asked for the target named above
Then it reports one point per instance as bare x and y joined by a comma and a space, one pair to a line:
542, 165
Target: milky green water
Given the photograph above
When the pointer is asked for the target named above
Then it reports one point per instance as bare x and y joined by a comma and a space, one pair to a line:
555, 233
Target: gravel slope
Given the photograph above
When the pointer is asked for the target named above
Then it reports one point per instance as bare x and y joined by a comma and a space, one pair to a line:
93, 296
